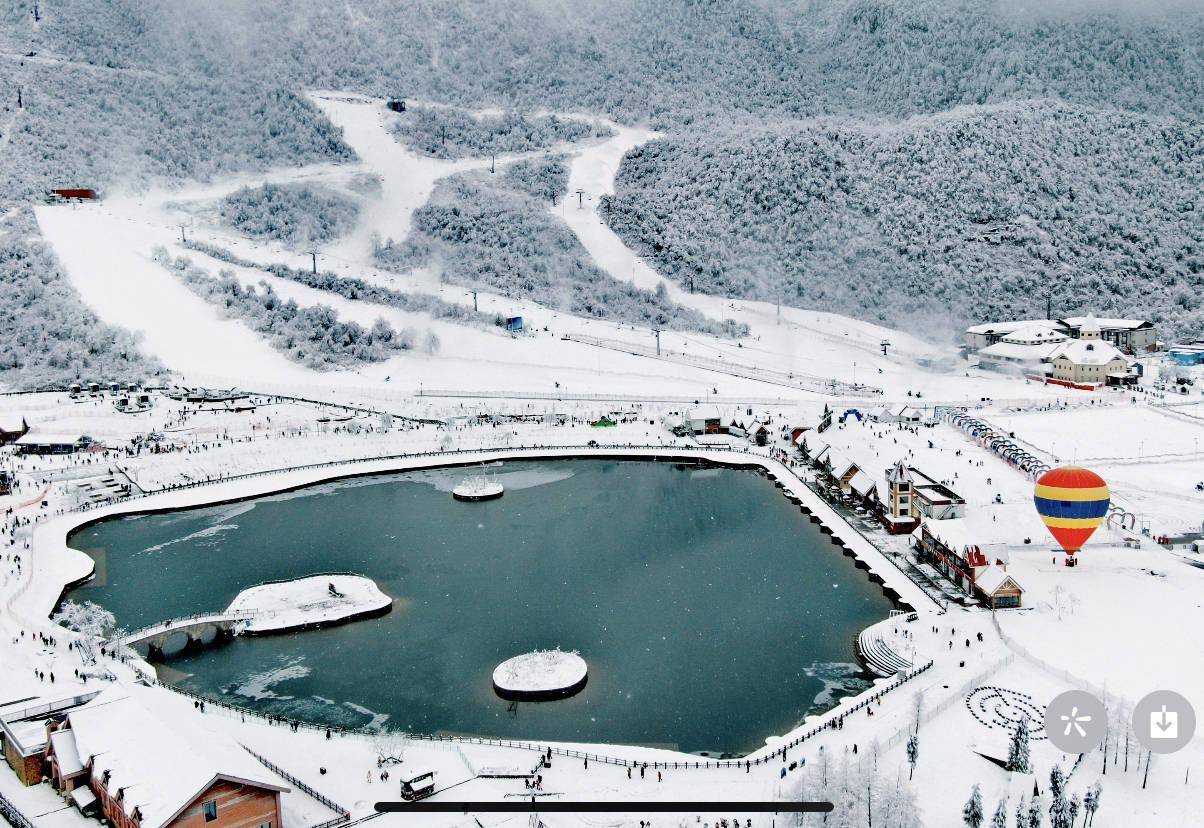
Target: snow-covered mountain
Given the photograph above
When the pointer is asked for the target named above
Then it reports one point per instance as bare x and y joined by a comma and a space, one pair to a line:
118, 95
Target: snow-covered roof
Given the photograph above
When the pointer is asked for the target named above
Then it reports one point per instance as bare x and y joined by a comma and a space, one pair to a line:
1088, 352
992, 578
82, 796
954, 533
703, 412
841, 464
11, 423
46, 438
65, 753
1015, 352
862, 483
1105, 323
898, 473
163, 765
1007, 327
1036, 334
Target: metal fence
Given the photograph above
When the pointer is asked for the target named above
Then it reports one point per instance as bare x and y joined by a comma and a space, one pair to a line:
343, 814
12, 814
586, 756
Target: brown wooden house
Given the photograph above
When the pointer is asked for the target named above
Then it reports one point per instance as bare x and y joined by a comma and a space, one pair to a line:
139, 769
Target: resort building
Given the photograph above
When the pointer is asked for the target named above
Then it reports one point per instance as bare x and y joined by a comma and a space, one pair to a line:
949, 546
934, 500
43, 442
1132, 336
898, 513
1045, 353
704, 420
137, 770
1089, 360
23, 729
912, 496
1024, 349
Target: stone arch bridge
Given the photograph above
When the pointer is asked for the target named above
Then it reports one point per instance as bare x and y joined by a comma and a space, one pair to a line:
201, 630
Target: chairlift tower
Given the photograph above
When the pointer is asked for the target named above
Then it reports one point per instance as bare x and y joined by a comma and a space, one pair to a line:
313, 254
657, 331
580, 196
884, 344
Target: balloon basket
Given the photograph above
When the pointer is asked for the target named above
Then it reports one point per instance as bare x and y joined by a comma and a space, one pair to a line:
1071, 560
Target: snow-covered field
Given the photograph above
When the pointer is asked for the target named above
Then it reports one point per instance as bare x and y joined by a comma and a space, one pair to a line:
1126, 621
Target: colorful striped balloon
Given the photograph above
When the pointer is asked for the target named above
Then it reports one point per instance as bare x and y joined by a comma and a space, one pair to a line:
1072, 502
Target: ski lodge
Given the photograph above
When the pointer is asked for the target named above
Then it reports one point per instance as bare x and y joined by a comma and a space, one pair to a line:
114, 757
1132, 336
1047, 354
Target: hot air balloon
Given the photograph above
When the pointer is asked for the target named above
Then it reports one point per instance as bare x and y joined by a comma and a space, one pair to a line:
1072, 502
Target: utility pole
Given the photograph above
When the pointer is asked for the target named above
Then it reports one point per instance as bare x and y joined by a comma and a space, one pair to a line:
492, 161
580, 195
474, 300
313, 254
1049, 306
37, 12
443, 136
183, 238
657, 331
884, 344
20, 101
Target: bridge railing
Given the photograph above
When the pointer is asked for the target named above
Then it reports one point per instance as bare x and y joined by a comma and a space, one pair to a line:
183, 621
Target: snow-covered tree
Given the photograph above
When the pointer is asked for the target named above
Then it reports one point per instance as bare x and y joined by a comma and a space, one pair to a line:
390, 746
1034, 813
1091, 801
93, 622
913, 753
1019, 754
972, 813
301, 213
1000, 820
1059, 806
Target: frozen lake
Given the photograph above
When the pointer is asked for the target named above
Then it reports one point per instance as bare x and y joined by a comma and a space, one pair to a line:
711, 612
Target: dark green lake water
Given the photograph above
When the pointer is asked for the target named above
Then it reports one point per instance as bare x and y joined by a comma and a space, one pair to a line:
711, 612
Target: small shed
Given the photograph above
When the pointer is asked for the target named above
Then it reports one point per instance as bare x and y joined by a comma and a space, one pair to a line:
704, 419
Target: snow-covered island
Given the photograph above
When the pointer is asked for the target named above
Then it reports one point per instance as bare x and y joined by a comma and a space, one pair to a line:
478, 488
316, 601
540, 676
